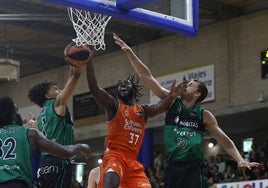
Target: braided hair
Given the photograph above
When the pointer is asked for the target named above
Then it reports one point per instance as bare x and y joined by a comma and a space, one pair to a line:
135, 86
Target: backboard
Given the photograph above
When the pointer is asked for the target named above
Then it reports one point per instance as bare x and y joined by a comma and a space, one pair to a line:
183, 17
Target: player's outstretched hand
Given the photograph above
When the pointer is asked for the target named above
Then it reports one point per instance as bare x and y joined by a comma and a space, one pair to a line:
177, 90
173, 90
181, 88
120, 42
84, 150
247, 164
31, 121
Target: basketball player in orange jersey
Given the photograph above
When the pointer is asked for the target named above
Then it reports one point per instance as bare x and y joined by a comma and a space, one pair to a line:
126, 125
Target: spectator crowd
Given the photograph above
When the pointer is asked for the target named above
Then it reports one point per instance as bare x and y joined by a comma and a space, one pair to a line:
219, 168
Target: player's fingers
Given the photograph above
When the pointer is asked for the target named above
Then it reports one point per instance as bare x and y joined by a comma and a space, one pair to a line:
124, 47
174, 83
86, 154
115, 36
31, 116
185, 82
247, 165
254, 164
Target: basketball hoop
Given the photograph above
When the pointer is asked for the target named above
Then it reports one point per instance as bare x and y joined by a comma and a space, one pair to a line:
89, 27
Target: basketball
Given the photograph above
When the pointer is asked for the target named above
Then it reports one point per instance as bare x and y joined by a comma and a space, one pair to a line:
77, 55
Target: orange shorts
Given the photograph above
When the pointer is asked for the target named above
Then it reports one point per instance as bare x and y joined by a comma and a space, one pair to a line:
130, 171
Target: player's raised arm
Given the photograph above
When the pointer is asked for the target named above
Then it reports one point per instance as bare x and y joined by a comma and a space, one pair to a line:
141, 69
103, 98
164, 104
227, 144
66, 92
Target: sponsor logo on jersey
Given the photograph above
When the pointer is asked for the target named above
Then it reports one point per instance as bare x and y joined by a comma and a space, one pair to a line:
187, 123
177, 119
133, 126
181, 142
47, 170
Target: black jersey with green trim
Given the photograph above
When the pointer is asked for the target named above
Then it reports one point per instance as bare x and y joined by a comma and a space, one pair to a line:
184, 132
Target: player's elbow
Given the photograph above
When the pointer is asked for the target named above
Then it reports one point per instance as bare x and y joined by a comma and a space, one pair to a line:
143, 76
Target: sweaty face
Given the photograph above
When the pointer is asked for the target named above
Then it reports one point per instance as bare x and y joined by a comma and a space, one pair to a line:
125, 90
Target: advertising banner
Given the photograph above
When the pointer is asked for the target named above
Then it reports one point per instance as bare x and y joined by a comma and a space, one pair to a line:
204, 74
245, 184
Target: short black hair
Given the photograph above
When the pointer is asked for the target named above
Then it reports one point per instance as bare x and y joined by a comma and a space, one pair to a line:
37, 92
7, 111
202, 88
136, 87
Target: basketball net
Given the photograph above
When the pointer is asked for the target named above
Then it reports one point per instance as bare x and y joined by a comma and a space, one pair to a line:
89, 27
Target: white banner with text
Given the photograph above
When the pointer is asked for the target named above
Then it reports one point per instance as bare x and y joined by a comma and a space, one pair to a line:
204, 74
245, 184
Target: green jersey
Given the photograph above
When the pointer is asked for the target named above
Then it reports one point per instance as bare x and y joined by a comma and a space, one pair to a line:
15, 154
183, 132
57, 128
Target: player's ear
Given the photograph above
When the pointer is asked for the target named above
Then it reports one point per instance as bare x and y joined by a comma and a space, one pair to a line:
197, 94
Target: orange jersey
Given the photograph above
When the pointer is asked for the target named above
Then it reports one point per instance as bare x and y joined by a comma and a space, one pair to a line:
124, 140
126, 130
